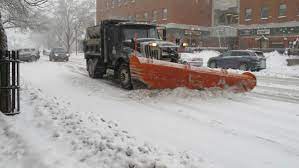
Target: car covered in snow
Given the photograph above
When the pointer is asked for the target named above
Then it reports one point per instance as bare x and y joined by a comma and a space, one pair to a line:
246, 60
58, 54
28, 54
192, 59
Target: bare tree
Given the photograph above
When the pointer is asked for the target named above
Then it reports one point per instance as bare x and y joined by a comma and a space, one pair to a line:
18, 13
15, 13
71, 18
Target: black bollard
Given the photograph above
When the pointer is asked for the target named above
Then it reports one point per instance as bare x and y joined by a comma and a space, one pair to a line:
5, 94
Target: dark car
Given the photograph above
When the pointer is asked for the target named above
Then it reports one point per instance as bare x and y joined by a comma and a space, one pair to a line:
58, 54
29, 54
246, 60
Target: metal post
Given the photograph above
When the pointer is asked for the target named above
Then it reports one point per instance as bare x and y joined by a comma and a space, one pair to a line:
13, 82
5, 101
76, 41
9, 83
18, 82
190, 39
219, 40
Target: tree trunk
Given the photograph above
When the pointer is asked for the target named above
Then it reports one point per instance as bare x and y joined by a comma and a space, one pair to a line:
4, 72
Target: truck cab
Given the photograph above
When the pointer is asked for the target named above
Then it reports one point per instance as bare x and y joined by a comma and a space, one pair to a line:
109, 45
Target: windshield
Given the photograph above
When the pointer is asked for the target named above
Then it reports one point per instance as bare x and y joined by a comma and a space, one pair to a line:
59, 50
129, 33
25, 50
261, 54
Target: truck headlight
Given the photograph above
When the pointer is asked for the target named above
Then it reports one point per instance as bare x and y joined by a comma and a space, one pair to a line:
185, 44
56, 55
154, 44
68, 55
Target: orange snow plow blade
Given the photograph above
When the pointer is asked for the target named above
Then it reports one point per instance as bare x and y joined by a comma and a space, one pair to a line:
156, 74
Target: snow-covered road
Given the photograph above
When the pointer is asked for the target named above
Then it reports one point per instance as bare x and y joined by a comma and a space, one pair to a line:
253, 130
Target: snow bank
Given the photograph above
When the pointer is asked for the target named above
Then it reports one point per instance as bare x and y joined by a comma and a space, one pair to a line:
48, 134
180, 95
277, 66
205, 55
188, 56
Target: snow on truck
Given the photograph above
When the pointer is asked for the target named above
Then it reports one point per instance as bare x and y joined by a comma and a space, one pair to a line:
139, 58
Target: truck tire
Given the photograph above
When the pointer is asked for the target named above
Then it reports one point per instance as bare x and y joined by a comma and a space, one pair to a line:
213, 64
124, 76
91, 68
244, 67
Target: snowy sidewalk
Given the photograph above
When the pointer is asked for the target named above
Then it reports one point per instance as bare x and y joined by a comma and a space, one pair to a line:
47, 135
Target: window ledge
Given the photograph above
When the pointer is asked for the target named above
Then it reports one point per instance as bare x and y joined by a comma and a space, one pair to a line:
264, 18
282, 17
248, 20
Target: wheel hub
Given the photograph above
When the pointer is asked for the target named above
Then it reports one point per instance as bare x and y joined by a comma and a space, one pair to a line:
243, 67
124, 76
213, 65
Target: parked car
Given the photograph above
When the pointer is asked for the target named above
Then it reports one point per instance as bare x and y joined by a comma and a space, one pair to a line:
29, 54
246, 60
291, 51
58, 54
192, 59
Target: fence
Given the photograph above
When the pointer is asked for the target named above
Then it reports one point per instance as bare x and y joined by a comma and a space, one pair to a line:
9, 82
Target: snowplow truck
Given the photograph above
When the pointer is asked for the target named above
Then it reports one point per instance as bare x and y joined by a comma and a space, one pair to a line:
137, 57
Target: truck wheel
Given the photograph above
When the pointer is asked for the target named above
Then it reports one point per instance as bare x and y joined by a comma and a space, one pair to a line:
93, 73
124, 76
213, 64
243, 67
90, 68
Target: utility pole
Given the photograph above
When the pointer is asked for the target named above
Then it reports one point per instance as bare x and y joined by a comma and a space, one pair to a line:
76, 41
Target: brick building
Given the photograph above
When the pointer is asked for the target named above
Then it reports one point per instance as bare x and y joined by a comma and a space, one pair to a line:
189, 12
226, 23
187, 20
268, 23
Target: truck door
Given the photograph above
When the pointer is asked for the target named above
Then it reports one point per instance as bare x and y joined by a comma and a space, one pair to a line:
114, 43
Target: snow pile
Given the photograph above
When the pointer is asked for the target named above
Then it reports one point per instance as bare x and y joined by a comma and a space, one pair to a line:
180, 94
205, 55
48, 134
277, 66
189, 56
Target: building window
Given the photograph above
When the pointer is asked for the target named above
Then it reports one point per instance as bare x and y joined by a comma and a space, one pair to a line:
155, 15
146, 16
264, 12
113, 3
298, 11
137, 17
130, 18
282, 9
248, 14
107, 4
165, 13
